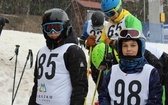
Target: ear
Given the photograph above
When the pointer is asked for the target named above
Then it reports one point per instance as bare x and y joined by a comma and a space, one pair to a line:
69, 30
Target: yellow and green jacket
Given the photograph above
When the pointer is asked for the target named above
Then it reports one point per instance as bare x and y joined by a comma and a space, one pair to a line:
124, 20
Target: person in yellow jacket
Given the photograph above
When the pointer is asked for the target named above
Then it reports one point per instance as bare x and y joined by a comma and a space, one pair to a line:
119, 18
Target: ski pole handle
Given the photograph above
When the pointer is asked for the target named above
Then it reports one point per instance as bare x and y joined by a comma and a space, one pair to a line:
17, 49
31, 57
30, 54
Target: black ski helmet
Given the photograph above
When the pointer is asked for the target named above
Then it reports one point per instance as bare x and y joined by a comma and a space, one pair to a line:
56, 15
97, 19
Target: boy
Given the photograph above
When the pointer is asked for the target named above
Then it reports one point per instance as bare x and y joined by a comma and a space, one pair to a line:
133, 80
60, 76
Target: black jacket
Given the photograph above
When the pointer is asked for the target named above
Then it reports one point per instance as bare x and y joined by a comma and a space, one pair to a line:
78, 75
154, 61
164, 60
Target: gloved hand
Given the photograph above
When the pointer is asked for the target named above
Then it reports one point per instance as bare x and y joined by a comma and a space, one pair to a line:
91, 41
112, 43
102, 67
107, 40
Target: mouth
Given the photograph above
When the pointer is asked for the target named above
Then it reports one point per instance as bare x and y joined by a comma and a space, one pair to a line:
129, 54
54, 37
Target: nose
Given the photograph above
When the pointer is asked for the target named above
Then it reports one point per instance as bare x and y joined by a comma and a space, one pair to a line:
128, 48
54, 32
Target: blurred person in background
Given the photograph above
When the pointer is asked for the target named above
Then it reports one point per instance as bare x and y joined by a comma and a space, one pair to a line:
3, 20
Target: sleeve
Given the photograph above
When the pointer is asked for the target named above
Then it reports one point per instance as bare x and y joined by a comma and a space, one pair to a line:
104, 97
155, 89
32, 100
133, 22
76, 64
154, 61
84, 35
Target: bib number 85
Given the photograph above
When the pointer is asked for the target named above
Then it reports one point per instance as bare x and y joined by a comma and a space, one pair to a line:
50, 62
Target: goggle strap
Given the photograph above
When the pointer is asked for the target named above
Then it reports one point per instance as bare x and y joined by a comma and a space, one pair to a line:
120, 9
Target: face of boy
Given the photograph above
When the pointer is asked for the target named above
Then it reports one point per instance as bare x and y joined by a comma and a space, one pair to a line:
130, 48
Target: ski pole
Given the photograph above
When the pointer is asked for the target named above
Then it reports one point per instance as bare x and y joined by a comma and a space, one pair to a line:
101, 68
30, 55
16, 53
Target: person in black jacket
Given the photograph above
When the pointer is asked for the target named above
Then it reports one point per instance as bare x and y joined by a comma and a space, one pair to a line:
2, 23
163, 59
60, 76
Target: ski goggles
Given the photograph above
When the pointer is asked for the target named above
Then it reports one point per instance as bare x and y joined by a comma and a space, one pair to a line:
98, 27
132, 33
110, 13
57, 27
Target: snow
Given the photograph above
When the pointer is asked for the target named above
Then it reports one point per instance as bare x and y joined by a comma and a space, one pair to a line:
8, 41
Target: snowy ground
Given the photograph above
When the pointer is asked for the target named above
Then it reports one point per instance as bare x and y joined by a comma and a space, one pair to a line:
8, 40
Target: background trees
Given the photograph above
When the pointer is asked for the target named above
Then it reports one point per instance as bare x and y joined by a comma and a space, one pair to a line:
27, 13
